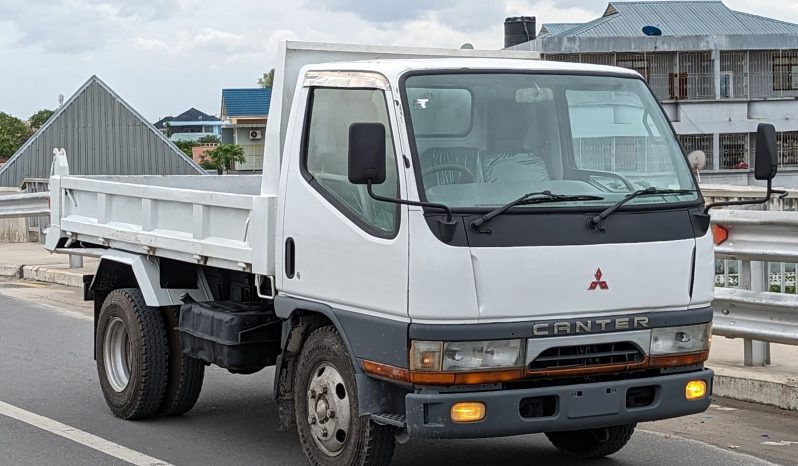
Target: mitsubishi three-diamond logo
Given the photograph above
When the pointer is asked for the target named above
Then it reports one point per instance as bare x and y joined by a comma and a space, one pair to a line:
598, 283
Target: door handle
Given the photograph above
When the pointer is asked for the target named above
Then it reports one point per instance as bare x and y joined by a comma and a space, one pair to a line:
290, 258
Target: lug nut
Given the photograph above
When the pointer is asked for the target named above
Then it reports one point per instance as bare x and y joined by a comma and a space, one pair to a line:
311, 419
324, 432
324, 390
330, 413
312, 394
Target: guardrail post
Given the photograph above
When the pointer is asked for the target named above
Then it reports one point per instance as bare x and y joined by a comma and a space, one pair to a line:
75, 262
756, 353
754, 277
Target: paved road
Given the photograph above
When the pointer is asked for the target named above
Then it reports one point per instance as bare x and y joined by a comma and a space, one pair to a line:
46, 368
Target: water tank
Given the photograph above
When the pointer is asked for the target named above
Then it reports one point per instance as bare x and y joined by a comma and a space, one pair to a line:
518, 29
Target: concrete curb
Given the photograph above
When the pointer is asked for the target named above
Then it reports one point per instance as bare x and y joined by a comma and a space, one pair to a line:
49, 275
780, 394
10, 271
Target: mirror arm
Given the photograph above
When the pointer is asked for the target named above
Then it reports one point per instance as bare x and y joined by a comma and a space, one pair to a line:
770, 192
432, 205
446, 228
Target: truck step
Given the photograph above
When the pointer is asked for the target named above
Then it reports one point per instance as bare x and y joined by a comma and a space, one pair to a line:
390, 419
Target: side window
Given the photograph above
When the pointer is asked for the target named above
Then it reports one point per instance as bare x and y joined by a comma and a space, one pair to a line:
326, 153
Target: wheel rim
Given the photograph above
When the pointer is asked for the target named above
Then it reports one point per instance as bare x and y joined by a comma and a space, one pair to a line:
116, 354
329, 415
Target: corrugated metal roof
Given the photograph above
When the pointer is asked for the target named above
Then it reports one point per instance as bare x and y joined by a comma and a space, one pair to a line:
246, 102
553, 29
102, 135
677, 18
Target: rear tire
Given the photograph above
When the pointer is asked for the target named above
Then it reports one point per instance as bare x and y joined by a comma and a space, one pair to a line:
132, 354
186, 374
592, 443
325, 383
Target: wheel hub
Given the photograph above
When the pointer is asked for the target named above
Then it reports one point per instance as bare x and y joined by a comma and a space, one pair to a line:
117, 354
328, 405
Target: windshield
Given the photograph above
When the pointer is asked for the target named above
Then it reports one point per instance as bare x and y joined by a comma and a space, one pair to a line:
484, 139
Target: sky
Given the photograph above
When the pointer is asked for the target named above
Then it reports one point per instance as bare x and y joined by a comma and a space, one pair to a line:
165, 56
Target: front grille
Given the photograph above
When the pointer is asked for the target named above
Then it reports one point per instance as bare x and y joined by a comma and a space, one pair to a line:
569, 357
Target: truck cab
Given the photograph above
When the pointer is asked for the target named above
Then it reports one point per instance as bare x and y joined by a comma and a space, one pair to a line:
440, 295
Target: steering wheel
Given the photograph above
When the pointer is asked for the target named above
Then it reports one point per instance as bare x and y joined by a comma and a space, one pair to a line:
626, 181
467, 175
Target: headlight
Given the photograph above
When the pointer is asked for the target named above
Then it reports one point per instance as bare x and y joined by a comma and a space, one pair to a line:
465, 355
689, 339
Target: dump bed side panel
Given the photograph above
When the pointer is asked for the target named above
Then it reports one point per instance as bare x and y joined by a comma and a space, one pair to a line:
205, 227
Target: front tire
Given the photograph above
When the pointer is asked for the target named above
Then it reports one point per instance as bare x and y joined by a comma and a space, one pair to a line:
331, 431
132, 355
592, 443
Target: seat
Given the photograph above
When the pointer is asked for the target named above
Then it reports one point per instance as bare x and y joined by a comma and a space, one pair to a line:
521, 167
466, 157
509, 158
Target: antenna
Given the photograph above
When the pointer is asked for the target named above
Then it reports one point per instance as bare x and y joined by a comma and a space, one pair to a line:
652, 31
60, 100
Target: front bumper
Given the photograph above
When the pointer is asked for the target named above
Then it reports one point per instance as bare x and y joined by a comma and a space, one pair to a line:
585, 406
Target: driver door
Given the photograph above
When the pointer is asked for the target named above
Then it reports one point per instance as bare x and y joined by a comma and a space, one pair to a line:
342, 247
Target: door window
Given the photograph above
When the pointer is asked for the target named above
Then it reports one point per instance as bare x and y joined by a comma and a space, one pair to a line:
326, 152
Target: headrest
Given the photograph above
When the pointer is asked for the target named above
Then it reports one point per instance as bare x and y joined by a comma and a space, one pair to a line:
508, 124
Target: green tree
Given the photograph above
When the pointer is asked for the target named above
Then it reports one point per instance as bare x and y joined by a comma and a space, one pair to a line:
13, 133
267, 80
209, 139
38, 119
222, 157
185, 146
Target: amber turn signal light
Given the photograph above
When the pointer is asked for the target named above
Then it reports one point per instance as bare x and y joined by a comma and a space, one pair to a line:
468, 411
719, 234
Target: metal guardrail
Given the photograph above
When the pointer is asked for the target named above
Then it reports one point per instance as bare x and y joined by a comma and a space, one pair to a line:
752, 312
25, 205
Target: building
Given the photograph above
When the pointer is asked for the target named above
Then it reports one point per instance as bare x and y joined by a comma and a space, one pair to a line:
716, 71
244, 116
102, 135
190, 125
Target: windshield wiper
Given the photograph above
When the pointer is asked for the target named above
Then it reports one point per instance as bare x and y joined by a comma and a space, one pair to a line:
530, 198
595, 222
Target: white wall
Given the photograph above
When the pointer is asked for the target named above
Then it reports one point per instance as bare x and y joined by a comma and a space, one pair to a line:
731, 116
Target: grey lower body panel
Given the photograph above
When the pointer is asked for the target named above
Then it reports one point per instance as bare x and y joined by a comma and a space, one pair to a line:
585, 406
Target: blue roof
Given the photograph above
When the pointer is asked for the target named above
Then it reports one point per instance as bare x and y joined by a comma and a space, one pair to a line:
674, 18
246, 102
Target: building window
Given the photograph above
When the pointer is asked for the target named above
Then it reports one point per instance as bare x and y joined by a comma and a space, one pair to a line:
734, 151
639, 64
787, 144
702, 142
726, 84
785, 72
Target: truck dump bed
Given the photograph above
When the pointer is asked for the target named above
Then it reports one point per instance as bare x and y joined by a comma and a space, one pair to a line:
201, 219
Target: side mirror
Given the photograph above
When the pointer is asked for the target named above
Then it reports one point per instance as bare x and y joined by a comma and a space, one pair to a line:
367, 153
765, 167
766, 154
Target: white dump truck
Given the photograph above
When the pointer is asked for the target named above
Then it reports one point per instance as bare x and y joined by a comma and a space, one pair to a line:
443, 244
